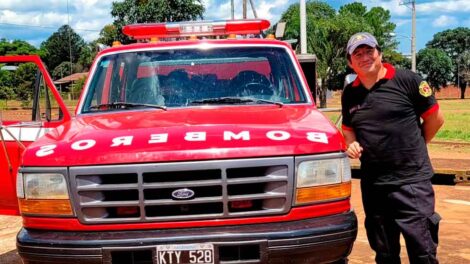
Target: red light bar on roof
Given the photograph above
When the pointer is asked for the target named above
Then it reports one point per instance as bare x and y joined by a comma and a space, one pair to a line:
197, 28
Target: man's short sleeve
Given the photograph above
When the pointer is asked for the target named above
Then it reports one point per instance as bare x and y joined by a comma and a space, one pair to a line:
346, 125
422, 97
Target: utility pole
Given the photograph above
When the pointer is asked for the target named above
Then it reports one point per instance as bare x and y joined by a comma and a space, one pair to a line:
413, 32
303, 28
244, 9
69, 37
233, 10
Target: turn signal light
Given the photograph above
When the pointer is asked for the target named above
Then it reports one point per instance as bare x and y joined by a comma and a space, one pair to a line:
322, 193
46, 207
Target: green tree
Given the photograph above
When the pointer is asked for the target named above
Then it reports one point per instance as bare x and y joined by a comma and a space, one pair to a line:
320, 17
463, 67
397, 59
87, 55
108, 34
315, 11
147, 11
436, 66
23, 81
379, 19
6, 84
6, 77
16, 47
64, 69
57, 48
453, 42
77, 87
328, 32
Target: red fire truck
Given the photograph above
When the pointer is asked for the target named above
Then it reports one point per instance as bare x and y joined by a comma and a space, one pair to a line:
200, 143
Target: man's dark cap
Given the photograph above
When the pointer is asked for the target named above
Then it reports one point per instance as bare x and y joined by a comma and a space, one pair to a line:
361, 38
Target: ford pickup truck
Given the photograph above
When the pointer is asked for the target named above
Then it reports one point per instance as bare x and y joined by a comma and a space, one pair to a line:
199, 143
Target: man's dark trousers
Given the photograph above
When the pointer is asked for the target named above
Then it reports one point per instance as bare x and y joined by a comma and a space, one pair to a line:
406, 209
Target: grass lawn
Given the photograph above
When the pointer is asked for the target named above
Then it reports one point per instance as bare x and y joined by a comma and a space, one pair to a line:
457, 119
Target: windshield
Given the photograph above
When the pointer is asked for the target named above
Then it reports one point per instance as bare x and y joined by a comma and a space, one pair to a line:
191, 77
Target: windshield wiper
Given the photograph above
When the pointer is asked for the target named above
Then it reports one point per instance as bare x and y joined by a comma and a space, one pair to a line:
234, 100
126, 105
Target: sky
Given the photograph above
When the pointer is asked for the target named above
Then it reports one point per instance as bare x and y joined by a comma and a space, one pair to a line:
35, 20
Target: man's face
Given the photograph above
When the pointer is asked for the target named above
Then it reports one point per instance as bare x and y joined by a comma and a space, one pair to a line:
365, 60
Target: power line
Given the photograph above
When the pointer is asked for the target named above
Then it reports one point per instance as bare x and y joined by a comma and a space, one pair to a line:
51, 27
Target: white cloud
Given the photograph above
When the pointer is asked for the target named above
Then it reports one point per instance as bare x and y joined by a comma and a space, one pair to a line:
217, 11
449, 6
444, 21
86, 17
221, 9
401, 22
429, 8
394, 7
90, 17
32, 5
32, 18
266, 7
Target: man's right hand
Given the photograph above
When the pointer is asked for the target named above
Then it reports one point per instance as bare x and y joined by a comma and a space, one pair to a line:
354, 150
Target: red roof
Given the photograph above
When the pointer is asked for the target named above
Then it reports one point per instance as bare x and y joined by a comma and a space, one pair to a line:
72, 78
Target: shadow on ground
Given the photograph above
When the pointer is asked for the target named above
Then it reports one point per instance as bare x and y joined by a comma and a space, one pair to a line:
10, 257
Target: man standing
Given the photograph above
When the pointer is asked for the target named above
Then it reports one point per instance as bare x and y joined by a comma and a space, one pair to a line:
388, 117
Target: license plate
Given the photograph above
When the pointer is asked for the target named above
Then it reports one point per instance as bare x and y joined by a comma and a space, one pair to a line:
185, 254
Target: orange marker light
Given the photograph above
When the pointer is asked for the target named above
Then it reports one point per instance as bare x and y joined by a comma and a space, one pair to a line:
46, 207
322, 193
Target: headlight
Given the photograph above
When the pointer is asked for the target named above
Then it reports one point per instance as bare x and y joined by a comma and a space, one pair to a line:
43, 193
322, 172
320, 180
45, 186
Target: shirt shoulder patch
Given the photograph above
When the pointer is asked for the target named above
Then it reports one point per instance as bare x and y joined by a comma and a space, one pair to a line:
424, 89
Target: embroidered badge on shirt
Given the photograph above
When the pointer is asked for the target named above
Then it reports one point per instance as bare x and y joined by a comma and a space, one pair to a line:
424, 89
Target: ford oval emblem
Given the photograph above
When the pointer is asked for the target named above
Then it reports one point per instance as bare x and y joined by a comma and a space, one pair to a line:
182, 194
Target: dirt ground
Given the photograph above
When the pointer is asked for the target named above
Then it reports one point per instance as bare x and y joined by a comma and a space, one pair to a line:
452, 203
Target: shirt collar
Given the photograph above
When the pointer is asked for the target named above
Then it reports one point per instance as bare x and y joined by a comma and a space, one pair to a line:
388, 75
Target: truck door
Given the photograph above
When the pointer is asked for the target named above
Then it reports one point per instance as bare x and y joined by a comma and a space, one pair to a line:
30, 105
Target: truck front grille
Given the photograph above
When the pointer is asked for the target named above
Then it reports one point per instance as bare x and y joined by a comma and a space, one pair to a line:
182, 190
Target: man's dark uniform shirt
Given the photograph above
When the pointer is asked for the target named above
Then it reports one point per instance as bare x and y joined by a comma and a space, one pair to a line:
386, 122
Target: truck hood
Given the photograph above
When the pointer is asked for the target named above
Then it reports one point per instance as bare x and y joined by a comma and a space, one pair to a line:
186, 134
